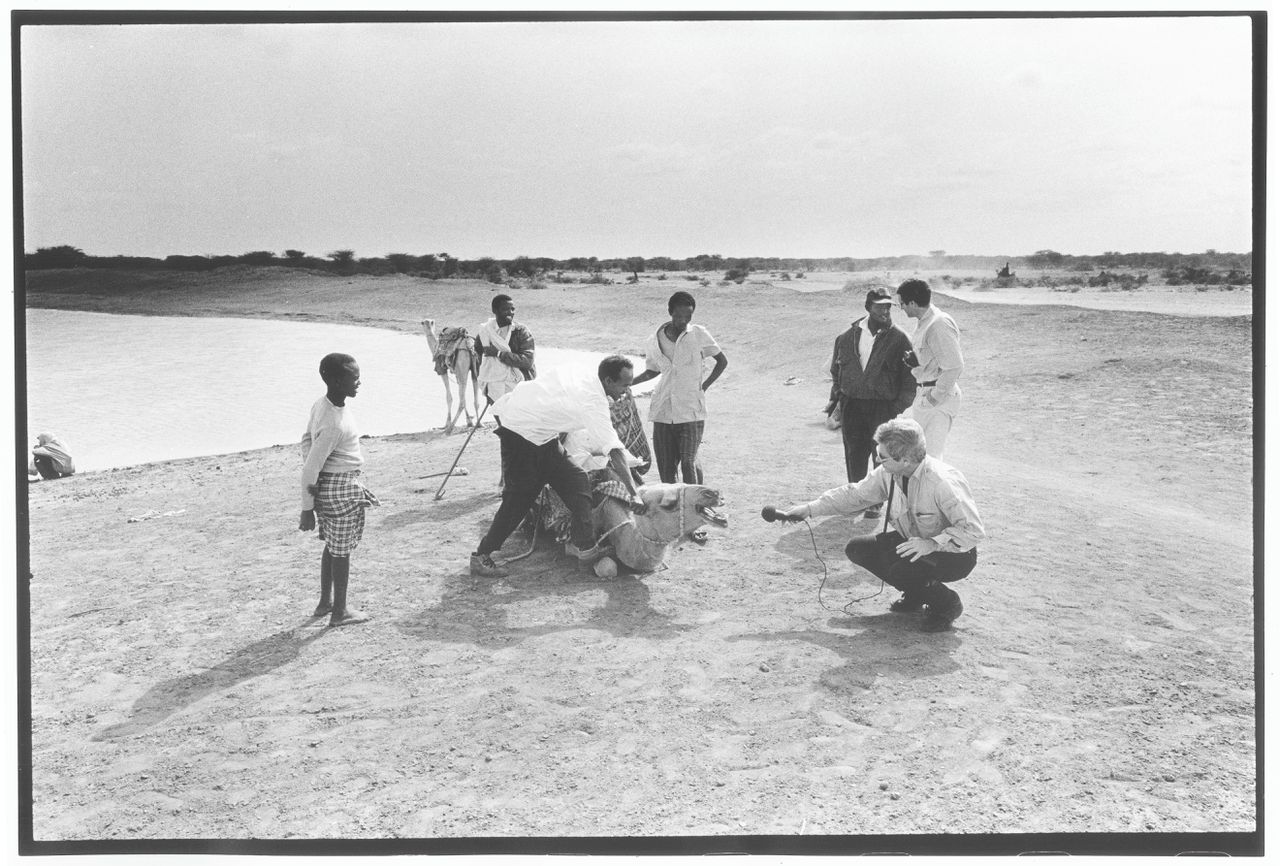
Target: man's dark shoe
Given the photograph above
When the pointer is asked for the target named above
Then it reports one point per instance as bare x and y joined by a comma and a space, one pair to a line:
940, 620
906, 605
482, 565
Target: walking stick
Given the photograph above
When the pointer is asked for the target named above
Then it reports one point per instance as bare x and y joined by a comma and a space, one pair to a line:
449, 474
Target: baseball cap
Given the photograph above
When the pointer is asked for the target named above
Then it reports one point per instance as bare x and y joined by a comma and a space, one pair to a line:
879, 295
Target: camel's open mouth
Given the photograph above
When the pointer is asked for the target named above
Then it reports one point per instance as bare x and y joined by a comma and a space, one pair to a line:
713, 516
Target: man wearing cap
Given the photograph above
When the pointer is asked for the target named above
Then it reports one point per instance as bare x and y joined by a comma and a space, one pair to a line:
870, 382
935, 362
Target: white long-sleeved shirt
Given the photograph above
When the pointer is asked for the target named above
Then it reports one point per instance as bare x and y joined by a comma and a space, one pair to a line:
938, 504
936, 341
331, 443
556, 402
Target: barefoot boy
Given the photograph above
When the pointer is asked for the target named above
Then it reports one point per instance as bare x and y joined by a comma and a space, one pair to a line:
331, 488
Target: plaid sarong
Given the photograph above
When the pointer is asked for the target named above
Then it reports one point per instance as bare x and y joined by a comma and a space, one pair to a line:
676, 448
630, 429
341, 501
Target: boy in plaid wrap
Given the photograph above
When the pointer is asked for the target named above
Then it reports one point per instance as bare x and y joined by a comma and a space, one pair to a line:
332, 494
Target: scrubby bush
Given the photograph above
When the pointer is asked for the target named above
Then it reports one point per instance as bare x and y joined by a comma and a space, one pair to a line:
736, 275
692, 277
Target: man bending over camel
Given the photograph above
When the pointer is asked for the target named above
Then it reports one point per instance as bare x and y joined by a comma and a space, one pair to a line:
533, 419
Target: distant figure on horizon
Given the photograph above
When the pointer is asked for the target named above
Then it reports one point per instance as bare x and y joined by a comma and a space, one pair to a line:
332, 494
50, 459
1003, 272
678, 408
936, 363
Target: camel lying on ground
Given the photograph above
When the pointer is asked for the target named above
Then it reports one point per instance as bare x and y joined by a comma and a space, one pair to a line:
453, 351
641, 541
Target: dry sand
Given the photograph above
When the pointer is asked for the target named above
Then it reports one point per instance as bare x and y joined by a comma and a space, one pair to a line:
1101, 678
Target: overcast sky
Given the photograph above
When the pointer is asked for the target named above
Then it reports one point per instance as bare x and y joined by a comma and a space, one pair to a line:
751, 138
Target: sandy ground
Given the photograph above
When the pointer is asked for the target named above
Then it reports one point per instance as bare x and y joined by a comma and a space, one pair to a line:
1100, 680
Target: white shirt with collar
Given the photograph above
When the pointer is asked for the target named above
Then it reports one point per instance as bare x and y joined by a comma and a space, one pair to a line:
937, 346
559, 401
938, 504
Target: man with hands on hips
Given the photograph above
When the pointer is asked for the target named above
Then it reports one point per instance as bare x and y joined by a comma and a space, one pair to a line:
935, 523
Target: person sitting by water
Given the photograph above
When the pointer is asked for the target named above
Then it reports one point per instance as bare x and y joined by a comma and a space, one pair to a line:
50, 458
332, 493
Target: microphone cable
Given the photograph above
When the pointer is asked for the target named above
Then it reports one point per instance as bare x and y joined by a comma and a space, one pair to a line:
825, 573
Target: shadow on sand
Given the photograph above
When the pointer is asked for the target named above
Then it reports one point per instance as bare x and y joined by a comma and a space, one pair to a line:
428, 509
164, 699
475, 610
885, 645
830, 535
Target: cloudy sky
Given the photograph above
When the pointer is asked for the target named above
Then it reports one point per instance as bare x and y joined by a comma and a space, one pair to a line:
743, 138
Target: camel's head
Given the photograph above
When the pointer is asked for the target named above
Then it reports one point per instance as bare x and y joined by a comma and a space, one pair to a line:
676, 510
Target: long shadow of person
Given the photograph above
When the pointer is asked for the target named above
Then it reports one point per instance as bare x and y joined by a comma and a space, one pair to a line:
164, 699
436, 512
546, 593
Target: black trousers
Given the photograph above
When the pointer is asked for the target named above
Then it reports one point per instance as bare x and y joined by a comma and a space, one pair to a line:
526, 468
44, 465
921, 581
858, 422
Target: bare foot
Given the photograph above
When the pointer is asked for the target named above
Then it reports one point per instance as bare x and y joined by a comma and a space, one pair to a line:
322, 608
351, 617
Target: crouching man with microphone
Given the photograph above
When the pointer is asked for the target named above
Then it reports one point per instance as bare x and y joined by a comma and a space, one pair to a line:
935, 524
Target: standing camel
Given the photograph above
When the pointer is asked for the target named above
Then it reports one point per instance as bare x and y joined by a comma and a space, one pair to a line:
453, 351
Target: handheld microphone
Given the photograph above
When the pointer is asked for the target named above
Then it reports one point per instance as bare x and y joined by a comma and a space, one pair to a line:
771, 514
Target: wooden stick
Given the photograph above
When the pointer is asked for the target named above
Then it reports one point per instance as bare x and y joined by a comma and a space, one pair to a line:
440, 492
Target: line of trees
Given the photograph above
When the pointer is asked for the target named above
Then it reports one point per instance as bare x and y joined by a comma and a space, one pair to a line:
442, 265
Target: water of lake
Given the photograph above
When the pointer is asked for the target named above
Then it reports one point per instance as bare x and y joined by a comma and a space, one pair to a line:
124, 390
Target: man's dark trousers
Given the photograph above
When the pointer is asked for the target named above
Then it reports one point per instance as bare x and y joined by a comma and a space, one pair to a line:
527, 467
858, 422
920, 581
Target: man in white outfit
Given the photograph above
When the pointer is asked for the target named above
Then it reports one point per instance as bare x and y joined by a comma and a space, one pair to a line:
505, 348
936, 363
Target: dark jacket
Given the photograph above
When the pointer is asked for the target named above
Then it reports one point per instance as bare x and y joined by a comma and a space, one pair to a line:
521, 354
885, 377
